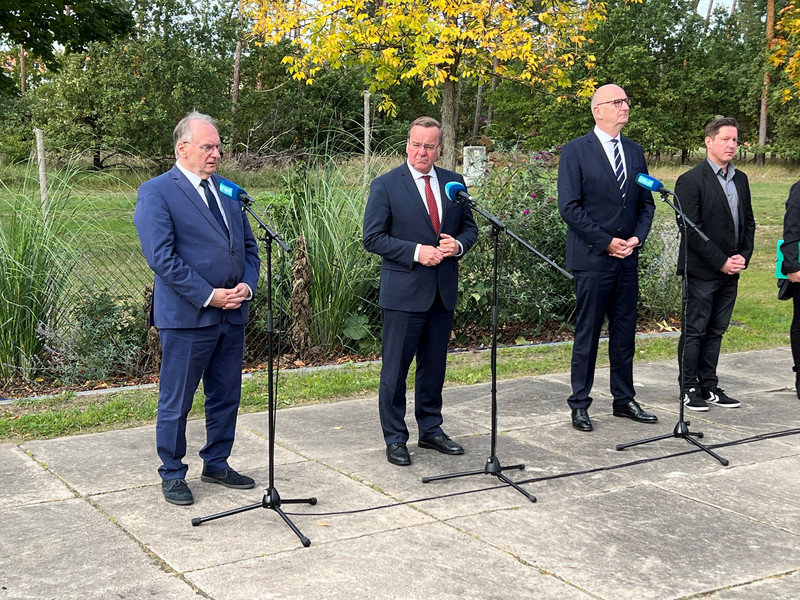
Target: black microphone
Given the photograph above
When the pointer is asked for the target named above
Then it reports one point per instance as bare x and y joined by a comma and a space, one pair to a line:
652, 184
233, 191
457, 192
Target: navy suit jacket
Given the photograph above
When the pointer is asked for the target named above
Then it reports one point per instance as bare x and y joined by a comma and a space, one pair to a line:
395, 221
190, 253
591, 204
702, 200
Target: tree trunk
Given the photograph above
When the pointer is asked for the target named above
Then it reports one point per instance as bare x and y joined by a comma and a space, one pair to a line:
21, 69
449, 150
237, 63
762, 116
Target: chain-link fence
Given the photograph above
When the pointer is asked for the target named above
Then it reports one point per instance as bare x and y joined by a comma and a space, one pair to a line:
325, 291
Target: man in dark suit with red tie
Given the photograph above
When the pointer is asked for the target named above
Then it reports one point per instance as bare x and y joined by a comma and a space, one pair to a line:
716, 197
199, 244
609, 217
420, 237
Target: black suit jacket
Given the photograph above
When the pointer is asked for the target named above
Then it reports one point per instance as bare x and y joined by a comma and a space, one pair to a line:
590, 202
791, 232
395, 221
703, 201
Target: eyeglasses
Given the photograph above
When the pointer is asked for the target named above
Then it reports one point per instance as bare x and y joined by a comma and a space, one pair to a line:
206, 148
428, 147
617, 103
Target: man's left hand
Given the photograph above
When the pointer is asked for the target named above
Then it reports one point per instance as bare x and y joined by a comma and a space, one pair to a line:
448, 245
630, 245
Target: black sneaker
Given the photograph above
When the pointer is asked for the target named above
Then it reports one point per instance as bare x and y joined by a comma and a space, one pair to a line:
177, 492
717, 396
693, 401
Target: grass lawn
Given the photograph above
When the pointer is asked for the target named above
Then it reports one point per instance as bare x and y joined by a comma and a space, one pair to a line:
760, 321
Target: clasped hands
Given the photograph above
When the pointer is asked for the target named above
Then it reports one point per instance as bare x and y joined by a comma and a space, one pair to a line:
229, 298
430, 256
619, 248
735, 264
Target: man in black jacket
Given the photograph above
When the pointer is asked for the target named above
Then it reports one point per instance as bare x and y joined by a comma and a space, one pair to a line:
716, 197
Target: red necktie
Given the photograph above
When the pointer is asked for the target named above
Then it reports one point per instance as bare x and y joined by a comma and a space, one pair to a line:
431, 200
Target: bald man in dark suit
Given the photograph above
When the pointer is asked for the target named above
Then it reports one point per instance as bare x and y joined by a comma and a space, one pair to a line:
609, 217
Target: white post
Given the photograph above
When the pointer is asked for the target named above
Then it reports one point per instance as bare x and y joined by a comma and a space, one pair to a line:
474, 163
42, 168
367, 138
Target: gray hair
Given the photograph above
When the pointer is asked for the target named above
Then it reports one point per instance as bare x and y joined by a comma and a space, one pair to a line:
182, 132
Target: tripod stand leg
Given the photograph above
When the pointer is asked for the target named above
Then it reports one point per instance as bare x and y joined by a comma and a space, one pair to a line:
513, 484
200, 520
272, 500
722, 461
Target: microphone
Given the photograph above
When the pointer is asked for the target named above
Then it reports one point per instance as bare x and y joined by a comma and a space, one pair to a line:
233, 191
652, 184
457, 192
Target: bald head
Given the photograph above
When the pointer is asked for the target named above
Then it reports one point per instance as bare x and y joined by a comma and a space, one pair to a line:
610, 108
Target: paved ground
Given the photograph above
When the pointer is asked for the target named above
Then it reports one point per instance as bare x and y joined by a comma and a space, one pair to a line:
83, 516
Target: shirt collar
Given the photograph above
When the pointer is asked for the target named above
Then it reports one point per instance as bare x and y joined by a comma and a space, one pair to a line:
603, 136
716, 168
417, 175
192, 177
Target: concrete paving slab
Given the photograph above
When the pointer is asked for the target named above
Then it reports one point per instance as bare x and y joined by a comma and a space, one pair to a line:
428, 561
167, 530
118, 460
781, 587
759, 492
68, 549
639, 543
25, 481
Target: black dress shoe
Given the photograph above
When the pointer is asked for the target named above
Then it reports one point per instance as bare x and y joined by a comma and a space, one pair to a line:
441, 443
632, 410
397, 454
581, 420
229, 478
177, 492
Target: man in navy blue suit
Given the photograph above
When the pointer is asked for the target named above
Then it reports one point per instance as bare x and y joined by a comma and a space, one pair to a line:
420, 237
199, 244
609, 217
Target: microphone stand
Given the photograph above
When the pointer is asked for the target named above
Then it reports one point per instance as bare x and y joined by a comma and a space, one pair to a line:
493, 466
271, 499
681, 430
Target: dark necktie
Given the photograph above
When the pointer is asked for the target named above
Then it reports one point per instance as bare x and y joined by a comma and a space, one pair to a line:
430, 199
619, 169
213, 206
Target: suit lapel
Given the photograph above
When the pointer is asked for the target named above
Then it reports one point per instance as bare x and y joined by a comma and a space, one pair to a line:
596, 148
191, 193
442, 195
413, 192
712, 182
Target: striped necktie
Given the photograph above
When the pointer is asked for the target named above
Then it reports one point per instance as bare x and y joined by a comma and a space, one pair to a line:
430, 200
619, 168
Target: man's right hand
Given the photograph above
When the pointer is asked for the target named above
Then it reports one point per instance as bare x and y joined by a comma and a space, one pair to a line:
430, 256
618, 248
225, 298
735, 264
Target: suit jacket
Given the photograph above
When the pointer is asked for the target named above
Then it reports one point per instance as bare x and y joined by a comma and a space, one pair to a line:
395, 221
700, 196
591, 203
791, 232
190, 253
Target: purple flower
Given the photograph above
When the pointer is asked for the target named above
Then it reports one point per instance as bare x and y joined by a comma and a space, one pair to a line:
526, 212
536, 157
532, 195
486, 171
559, 147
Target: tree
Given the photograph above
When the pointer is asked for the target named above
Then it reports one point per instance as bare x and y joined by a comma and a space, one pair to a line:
435, 44
37, 25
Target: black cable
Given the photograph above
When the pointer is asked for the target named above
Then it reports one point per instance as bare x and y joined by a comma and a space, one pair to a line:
747, 440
